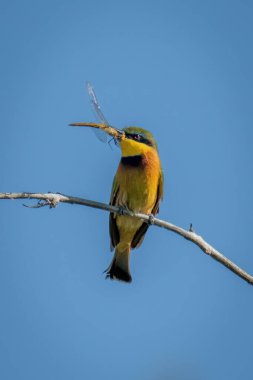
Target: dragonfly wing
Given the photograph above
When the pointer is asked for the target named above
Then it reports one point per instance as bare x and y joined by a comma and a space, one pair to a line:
102, 136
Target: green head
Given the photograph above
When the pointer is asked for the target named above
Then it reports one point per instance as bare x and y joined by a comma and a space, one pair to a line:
140, 135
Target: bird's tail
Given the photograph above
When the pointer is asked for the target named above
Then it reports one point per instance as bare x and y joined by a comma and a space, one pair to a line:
119, 268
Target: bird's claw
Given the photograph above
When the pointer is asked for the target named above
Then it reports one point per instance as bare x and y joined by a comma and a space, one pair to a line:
151, 219
124, 210
121, 210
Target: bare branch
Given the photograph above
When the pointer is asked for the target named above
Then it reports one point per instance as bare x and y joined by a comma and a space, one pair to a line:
52, 200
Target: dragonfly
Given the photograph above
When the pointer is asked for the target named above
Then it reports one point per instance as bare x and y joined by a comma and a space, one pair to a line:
103, 128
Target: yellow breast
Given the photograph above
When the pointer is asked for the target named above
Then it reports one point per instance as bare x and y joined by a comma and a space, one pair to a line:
138, 185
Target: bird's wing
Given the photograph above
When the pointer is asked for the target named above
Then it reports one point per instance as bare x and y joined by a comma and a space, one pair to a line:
139, 236
114, 232
159, 194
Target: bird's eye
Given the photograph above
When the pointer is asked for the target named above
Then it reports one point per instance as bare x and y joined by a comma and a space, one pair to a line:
137, 137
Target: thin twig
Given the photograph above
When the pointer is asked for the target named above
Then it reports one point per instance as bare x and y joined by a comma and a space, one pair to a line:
52, 200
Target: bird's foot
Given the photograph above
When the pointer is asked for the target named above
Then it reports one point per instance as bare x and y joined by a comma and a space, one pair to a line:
121, 210
151, 219
124, 210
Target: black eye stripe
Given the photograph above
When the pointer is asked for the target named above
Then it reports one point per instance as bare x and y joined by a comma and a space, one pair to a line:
140, 138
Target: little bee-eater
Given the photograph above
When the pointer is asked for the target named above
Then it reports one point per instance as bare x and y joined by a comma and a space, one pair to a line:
137, 186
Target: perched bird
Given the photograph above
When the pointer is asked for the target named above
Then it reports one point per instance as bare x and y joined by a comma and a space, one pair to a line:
137, 186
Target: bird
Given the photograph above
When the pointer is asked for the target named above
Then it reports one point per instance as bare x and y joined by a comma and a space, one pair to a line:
138, 187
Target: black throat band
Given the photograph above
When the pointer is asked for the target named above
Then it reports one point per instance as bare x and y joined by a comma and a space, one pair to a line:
133, 161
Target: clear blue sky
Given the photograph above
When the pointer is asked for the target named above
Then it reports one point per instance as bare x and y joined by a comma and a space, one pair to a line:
183, 70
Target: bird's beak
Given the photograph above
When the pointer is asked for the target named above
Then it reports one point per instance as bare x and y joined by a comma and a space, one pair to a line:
117, 134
